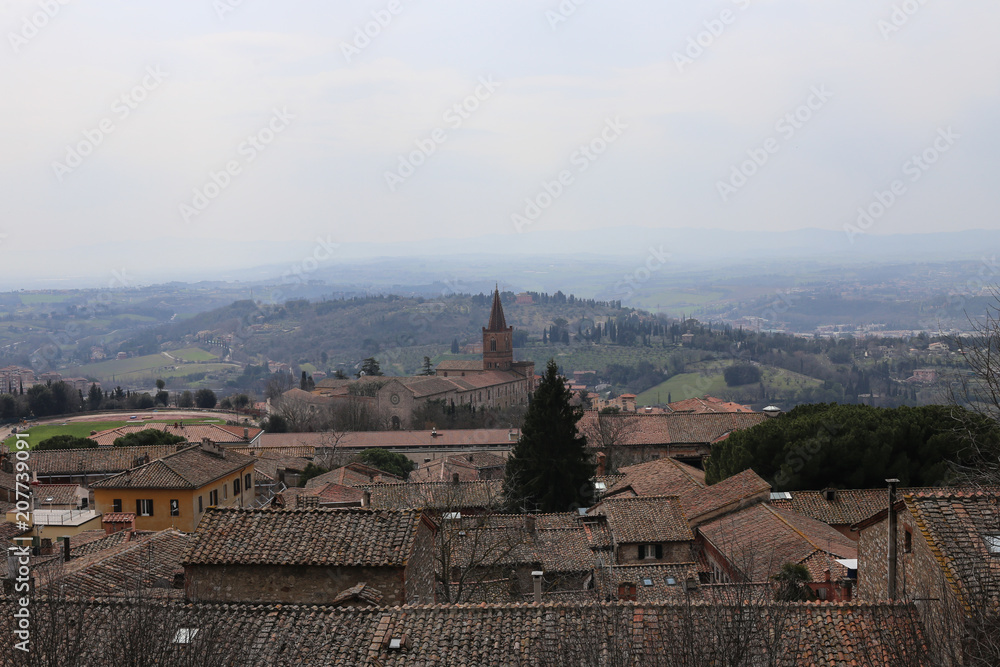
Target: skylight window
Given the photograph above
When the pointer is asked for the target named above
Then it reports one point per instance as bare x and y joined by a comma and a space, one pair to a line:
452, 515
600, 486
992, 544
647, 582
185, 635
671, 581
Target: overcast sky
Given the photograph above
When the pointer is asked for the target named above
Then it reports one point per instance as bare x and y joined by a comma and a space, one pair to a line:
129, 128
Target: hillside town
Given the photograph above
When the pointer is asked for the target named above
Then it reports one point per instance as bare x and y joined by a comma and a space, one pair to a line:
235, 546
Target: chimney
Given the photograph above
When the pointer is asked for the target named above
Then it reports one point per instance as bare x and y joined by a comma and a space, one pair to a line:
366, 498
529, 524
454, 478
601, 459
892, 538
66, 549
536, 577
246, 434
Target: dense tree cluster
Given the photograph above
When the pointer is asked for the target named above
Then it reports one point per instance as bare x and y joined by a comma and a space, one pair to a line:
852, 446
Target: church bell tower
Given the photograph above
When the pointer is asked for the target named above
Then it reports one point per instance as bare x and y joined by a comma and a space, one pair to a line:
498, 339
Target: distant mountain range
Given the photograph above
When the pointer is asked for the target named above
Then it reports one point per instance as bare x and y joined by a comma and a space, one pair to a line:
480, 260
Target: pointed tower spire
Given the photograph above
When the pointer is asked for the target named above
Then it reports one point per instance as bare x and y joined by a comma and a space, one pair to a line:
497, 320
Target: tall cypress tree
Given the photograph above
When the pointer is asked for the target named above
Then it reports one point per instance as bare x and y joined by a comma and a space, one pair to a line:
550, 468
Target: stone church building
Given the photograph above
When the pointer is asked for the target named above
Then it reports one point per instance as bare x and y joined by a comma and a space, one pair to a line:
495, 382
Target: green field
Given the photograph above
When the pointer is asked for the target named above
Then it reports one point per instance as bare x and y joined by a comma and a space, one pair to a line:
708, 379
146, 368
193, 354
32, 298
680, 387
82, 429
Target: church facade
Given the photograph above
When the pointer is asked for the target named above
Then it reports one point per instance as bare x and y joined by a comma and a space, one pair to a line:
495, 382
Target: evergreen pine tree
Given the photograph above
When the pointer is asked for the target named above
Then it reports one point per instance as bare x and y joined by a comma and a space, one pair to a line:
549, 469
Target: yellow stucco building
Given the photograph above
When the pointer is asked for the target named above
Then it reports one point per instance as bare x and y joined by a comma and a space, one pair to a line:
174, 491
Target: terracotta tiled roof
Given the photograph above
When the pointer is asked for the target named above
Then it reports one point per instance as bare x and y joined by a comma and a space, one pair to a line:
956, 523
8, 531
118, 517
269, 465
350, 537
652, 582
470, 438
460, 365
353, 474
758, 540
362, 593
645, 519
8, 481
468, 466
729, 493
336, 493
190, 468
557, 544
706, 404
675, 429
437, 495
96, 460
668, 477
60, 494
151, 561
849, 506
665, 476
494, 635
190, 432
92, 541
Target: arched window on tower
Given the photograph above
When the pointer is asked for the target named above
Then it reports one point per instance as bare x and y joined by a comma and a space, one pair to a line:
493, 344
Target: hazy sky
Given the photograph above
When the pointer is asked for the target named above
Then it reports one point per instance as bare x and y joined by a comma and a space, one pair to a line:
130, 128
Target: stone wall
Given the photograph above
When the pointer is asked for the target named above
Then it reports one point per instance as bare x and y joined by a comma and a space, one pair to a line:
288, 584
420, 567
673, 552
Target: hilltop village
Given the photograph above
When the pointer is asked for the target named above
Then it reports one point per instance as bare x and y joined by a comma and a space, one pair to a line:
228, 544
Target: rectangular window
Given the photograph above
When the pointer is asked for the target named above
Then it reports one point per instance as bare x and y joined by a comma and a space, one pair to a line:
659, 552
116, 505
642, 551
144, 507
907, 541
213, 497
175, 507
201, 507
225, 491
236, 486
247, 482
